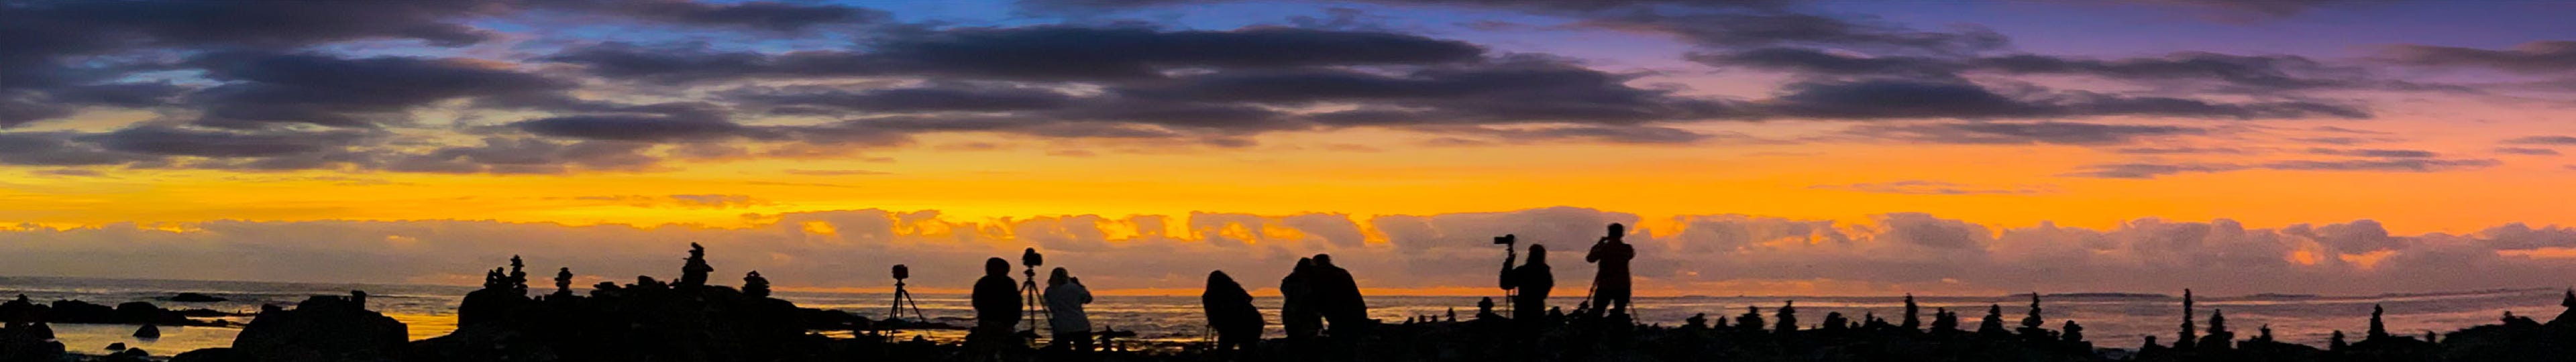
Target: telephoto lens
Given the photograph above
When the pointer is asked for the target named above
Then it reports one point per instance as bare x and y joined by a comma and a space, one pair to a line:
1506, 239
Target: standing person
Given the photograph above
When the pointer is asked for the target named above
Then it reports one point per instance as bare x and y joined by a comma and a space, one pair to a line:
1230, 311
1533, 280
1337, 296
1297, 297
997, 308
1610, 286
1065, 295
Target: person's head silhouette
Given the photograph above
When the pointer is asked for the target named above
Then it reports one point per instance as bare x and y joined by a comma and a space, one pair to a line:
1059, 277
1322, 260
1538, 255
1617, 232
997, 267
1305, 263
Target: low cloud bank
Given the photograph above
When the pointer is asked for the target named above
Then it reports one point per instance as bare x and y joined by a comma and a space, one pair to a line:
1696, 254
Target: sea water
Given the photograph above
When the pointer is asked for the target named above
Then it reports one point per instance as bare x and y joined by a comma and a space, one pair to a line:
2110, 320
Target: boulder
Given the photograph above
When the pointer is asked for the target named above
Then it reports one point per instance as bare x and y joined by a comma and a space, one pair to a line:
73, 311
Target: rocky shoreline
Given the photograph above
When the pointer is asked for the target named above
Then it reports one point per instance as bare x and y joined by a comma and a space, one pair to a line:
690, 319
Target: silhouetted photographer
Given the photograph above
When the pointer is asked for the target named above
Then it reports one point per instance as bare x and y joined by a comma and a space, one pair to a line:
1531, 281
1610, 288
1065, 296
1230, 312
1337, 295
997, 308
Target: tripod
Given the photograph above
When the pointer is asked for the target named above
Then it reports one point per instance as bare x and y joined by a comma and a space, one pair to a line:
902, 298
1036, 302
1511, 294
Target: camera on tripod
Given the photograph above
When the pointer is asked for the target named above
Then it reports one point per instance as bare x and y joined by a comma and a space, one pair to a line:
1031, 258
1507, 239
901, 272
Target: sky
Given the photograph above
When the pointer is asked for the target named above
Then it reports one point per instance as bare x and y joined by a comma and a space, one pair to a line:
1759, 147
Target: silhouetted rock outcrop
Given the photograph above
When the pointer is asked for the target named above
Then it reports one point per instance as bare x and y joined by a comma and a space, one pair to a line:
322, 328
644, 321
1912, 319
755, 286
1787, 318
26, 337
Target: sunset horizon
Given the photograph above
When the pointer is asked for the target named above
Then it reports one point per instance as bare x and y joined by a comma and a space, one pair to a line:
506, 171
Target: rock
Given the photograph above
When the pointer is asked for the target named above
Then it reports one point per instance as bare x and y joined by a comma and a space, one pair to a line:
323, 328
73, 311
22, 310
146, 313
645, 321
217, 354
29, 341
118, 346
148, 331
196, 298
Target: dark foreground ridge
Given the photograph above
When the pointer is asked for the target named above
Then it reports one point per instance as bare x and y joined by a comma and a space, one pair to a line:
691, 320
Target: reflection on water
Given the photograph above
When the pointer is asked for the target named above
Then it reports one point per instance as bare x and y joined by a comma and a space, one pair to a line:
94, 338
2110, 320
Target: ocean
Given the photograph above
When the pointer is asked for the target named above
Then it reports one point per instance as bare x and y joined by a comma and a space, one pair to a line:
2110, 320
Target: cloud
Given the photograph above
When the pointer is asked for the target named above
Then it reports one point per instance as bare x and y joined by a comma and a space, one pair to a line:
2541, 57
2221, 72
2383, 153
2345, 141
326, 90
2395, 165
516, 87
176, 141
835, 172
701, 201
1679, 254
965, 97
2007, 133
2247, 11
2180, 150
2148, 170
632, 127
1607, 134
1537, 7
2526, 151
1912, 99
501, 155
1761, 29
2542, 140
1514, 89
58, 149
760, 15
1926, 187
1037, 53
2153, 170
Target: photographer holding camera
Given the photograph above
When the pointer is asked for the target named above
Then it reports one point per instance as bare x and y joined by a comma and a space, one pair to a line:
1610, 287
1532, 280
